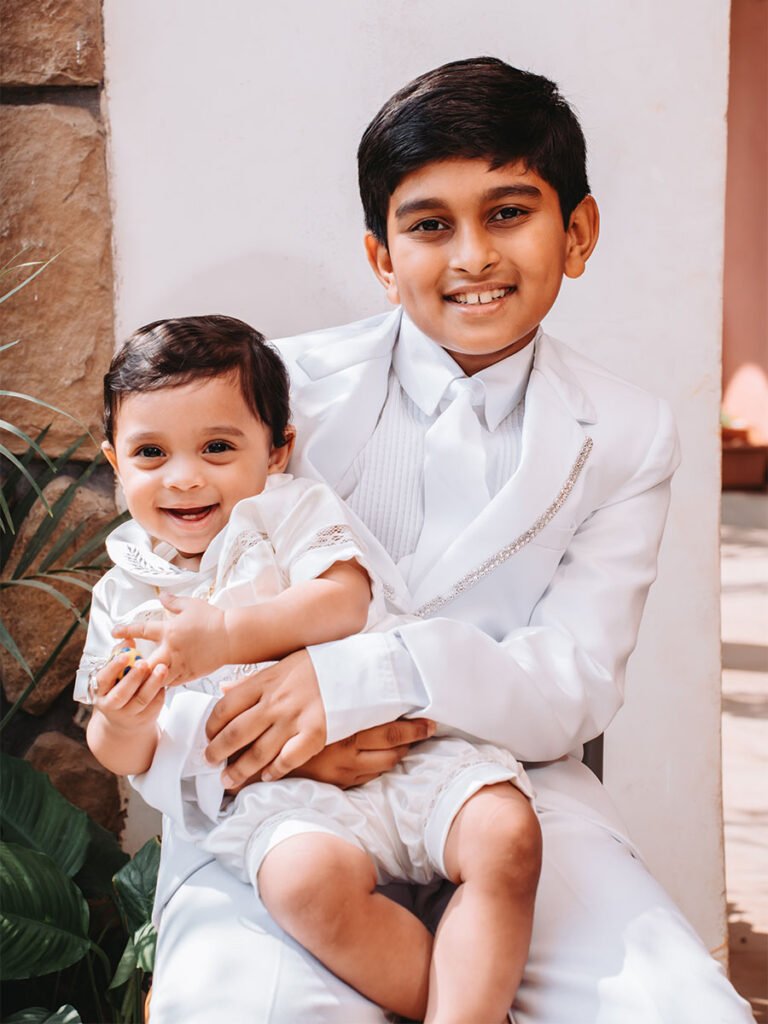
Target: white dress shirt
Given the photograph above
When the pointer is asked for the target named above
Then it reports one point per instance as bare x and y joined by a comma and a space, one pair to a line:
385, 488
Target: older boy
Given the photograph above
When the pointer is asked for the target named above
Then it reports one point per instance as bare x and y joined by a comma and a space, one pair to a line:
522, 490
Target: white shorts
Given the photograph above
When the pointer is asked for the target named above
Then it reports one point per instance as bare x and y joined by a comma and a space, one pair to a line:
400, 819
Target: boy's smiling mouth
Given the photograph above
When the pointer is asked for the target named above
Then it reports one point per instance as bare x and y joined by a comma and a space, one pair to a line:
478, 297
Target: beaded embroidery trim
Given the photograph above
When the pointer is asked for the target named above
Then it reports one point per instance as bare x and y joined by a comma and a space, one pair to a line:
482, 570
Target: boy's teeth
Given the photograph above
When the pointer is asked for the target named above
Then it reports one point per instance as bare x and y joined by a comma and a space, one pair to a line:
473, 298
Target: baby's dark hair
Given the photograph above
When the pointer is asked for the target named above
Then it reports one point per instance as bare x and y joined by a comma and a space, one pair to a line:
476, 108
171, 353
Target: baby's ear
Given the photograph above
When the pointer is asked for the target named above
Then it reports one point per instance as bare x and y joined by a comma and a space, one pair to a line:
109, 454
280, 457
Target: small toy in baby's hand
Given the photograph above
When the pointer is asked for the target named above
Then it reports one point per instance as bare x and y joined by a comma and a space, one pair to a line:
133, 656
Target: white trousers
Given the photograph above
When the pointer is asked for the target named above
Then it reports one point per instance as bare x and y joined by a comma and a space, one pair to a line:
608, 947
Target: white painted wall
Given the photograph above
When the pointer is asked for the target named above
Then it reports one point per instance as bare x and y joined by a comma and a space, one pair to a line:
233, 135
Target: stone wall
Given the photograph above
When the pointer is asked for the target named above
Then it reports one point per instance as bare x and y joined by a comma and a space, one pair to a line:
55, 204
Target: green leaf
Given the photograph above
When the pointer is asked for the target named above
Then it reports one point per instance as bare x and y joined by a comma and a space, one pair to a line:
43, 916
6, 453
39, 1015
129, 961
7, 641
18, 432
5, 508
27, 279
102, 859
97, 540
35, 815
65, 540
63, 576
46, 405
135, 885
47, 589
42, 671
48, 526
13, 476
145, 943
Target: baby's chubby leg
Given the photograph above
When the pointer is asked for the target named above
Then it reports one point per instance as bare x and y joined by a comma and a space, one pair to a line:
321, 890
493, 853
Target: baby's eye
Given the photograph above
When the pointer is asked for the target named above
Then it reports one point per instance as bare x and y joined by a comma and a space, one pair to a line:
218, 447
508, 213
150, 451
430, 224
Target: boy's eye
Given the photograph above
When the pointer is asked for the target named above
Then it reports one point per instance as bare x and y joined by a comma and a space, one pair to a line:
508, 213
430, 224
218, 447
150, 451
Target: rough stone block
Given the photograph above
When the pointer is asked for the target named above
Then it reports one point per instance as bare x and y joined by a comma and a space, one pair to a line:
51, 42
55, 201
78, 776
38, 621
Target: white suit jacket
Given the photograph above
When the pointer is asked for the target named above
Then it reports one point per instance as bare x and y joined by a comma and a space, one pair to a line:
526, 622
529, 617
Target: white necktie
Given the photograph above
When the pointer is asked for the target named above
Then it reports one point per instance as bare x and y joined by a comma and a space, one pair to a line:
455, 487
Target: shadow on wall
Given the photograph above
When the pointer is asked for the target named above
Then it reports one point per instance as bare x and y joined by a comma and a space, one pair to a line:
278, 293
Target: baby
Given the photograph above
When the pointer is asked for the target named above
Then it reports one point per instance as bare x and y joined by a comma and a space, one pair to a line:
229, 562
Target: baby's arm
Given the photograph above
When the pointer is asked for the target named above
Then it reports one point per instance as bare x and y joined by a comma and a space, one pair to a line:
199, 638
123, 732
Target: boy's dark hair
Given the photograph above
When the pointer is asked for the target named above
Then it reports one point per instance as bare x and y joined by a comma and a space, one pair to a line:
476, 108
170, 353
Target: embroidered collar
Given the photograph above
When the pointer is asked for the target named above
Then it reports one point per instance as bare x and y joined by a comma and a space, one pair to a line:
151, 561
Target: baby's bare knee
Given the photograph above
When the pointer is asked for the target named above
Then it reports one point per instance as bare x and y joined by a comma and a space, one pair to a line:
305, 881
496, 841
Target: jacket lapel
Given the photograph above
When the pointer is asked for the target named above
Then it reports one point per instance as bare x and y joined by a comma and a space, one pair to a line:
339, 395
554, 441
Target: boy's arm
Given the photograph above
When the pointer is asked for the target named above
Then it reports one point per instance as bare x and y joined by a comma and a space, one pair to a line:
542, 690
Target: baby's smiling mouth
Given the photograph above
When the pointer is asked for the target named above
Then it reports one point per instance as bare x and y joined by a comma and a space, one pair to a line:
190, 515
481, 298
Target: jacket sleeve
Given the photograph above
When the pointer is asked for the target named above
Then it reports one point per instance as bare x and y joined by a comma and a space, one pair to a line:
548, 685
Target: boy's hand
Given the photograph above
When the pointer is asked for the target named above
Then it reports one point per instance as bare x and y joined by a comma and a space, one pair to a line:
191, 642
275, 717
130, 701
367, 754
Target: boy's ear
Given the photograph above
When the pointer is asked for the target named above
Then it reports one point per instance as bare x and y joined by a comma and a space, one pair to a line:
110, 455
280, 457
582, 234
381, 264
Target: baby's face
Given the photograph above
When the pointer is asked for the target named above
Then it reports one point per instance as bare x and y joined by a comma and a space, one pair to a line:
186, 455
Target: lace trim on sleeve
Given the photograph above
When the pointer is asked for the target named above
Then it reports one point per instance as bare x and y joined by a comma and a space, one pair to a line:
332, 536
243, 542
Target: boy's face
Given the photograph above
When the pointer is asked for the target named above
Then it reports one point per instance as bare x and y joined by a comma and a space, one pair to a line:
186, 455
476, 256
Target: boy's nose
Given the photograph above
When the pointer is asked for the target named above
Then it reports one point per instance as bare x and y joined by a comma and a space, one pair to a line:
474, 251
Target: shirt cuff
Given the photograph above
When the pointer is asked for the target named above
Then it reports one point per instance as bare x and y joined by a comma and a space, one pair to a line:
365, 680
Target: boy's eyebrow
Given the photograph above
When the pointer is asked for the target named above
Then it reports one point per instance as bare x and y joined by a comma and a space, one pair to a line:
499, 192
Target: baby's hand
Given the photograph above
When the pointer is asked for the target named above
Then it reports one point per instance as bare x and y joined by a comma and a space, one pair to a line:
191, 642
131, 699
